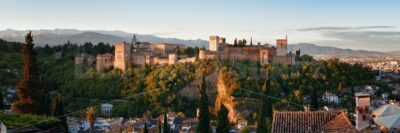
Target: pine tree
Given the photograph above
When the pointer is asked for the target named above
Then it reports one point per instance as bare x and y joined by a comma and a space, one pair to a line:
223, 122
204, 118
33, 98
58, 110
265, 111
166, 128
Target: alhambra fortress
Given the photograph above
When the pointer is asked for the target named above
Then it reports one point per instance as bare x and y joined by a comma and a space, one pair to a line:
141, 53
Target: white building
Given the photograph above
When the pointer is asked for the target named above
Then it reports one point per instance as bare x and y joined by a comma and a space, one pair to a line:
106, 109
330, 98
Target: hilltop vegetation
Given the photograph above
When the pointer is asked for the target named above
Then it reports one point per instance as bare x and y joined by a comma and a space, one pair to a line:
157, 87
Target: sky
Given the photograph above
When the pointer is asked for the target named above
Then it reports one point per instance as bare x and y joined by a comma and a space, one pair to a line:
355, 24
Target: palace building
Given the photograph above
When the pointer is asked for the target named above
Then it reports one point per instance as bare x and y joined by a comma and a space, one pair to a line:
141, 53
218, 48
138, 53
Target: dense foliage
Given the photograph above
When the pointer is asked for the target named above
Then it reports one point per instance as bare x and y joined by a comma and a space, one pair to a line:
27, 120
158, 86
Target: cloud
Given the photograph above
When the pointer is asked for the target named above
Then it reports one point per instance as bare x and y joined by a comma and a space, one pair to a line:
370, 40
364, 35
333, 28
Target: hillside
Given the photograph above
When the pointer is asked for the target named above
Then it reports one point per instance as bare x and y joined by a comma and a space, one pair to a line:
394, 52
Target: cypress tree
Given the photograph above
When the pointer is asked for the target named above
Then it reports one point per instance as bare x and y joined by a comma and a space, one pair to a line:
314, 99
251, 41
166, 128
91, 115
33, 98
235, 42
265, 110
1, 102
340, 88
159, 126
58, 110
145, 128
204, 118
223, 122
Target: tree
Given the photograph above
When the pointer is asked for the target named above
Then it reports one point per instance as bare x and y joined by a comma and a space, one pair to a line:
340, 88
244, 42
91, 115
235, 43
265, 110
58, 110
166, 128
223, 121
33, 98
314, 99
159, 126
145, 128
1, 101
204, 118
178, 51
251, 41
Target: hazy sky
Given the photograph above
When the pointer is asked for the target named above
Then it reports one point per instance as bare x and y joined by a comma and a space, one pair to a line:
356, 24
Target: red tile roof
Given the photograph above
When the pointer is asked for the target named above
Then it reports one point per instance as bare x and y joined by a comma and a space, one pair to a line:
303, 122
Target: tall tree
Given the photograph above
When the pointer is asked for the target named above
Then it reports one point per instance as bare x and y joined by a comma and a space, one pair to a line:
58, 110
1, 101
235, 43
204, 118
265, 110
340, 88
314, 99
166, 128
159, 126
251, 41
223, 121
33, 98
91, 115
145, 128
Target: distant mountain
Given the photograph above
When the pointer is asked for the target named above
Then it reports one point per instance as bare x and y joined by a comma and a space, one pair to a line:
62, 36
394, 53
307, 48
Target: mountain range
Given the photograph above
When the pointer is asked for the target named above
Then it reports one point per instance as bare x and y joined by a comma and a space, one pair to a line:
62, 36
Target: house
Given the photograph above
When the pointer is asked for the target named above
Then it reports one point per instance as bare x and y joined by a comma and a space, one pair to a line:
3, 128
312, 122
330, 98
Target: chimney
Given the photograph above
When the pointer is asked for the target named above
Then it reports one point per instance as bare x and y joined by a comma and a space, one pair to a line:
363, 101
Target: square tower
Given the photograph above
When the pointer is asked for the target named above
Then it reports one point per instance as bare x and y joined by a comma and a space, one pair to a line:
281, 45
214, 43
122, 55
